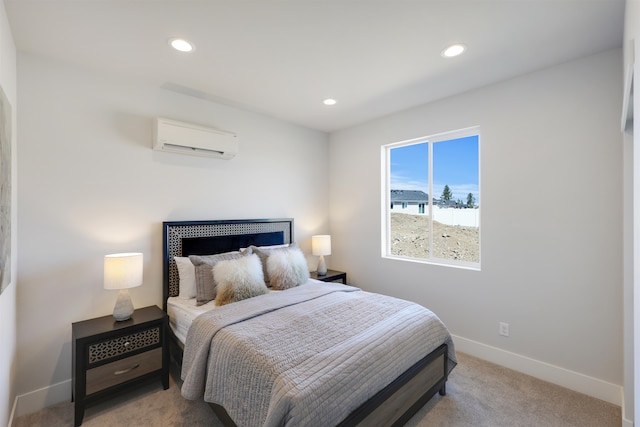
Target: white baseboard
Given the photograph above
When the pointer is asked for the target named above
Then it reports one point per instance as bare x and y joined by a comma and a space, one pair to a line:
627, 423
590, 386
41, 398
13, 411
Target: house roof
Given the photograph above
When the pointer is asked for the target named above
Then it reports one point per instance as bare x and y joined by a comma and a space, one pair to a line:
415, 196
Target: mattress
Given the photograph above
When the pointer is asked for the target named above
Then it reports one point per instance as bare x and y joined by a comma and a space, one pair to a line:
182, 312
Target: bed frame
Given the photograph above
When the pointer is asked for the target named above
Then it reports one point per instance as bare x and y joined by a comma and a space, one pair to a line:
392, 406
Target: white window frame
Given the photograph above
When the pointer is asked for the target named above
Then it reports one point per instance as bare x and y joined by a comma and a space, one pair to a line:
386, 198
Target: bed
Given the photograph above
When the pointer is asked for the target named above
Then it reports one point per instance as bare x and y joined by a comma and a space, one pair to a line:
356, 375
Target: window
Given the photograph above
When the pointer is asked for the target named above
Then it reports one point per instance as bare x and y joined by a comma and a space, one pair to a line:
436, 180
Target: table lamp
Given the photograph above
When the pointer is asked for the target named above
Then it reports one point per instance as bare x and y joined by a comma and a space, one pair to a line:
321, 246
123, 271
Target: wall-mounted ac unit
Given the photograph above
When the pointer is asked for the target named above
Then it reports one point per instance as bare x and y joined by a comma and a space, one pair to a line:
187, 138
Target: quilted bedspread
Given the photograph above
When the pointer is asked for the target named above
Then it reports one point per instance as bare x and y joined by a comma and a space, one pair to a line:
308, 356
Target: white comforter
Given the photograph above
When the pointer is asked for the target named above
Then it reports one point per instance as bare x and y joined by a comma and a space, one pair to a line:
306, 356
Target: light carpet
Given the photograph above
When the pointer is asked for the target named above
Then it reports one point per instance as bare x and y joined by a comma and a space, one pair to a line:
479, 393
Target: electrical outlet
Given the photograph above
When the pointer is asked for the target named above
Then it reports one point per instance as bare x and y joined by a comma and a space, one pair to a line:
504, 329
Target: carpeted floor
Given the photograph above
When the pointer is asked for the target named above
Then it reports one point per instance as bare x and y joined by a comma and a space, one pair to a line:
478, 394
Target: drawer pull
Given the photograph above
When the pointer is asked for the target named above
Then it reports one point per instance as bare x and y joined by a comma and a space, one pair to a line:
124, 371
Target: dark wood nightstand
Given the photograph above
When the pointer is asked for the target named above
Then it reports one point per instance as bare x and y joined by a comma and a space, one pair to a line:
331, 276
110, 356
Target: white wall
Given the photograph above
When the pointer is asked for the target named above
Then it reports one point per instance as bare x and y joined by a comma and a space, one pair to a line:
8, 298
631, 50
91, 185
554, 276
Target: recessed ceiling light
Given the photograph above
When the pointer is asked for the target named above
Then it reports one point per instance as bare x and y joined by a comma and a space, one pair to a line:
329, 101
182, 45
453, 50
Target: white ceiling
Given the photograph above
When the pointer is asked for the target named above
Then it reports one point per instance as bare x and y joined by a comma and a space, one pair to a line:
284, 57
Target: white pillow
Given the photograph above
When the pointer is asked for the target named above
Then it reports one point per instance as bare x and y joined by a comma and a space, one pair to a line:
205, 283
287, 269
238, 279
187, 274
264, 251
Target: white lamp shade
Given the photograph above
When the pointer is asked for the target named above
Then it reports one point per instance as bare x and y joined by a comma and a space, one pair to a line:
321, 244
123, 271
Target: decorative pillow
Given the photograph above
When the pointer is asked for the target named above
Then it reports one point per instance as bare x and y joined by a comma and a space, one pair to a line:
205, 283
239, 279
187, 275
284, 245
287, 269
264, 252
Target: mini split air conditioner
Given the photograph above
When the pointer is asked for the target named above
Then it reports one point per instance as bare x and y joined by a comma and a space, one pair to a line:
187, 138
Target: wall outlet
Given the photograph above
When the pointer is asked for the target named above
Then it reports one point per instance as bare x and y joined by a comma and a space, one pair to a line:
504, 329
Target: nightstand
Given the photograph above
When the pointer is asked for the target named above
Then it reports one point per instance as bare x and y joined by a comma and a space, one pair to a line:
111, 356
331, 276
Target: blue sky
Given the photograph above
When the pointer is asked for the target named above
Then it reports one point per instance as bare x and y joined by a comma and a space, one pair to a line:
455, 164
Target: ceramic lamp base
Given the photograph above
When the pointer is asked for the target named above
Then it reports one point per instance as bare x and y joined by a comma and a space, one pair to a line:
124, 307
322, 267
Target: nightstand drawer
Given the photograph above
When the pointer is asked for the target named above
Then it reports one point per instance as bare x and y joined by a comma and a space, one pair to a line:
110, 357
117, 346
123, 370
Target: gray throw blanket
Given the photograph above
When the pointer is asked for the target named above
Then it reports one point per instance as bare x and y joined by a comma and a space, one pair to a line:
308, 356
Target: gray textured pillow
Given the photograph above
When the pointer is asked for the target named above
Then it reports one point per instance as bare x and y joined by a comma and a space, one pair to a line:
205, 283
287, 269
264, 252
239, 279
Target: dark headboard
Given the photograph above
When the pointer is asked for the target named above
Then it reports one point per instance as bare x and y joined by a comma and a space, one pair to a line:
184, 238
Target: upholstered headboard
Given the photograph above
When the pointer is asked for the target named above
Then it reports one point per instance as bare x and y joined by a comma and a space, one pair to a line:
184, 238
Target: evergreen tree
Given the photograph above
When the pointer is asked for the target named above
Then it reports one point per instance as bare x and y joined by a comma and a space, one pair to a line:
446, 194
471, 201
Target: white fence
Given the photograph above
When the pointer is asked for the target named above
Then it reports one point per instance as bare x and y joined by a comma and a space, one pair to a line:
449, 216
